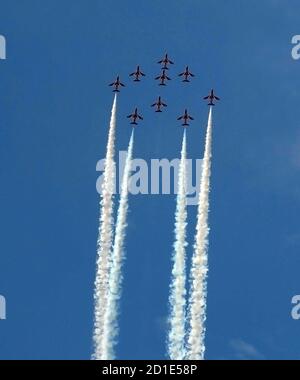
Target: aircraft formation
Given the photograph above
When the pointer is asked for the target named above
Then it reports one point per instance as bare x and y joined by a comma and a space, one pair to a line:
163, 78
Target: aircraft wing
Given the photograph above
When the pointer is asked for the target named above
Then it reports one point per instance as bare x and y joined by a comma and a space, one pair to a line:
206, 97
217, 97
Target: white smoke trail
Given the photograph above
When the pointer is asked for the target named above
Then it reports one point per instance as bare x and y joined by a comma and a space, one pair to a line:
111, 328
197, 302
105, 237
177, 299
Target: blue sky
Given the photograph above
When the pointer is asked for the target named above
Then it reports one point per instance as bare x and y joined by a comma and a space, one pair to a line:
55, 107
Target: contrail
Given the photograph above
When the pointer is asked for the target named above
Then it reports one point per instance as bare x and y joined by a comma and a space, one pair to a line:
105, 237
111, 327
197, 302
177, 299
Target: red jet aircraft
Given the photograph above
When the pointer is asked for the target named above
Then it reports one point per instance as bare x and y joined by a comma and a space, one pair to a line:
186, 74
165, 61
163, 77
137, 74
186, 117
117, 84
159, 103
211, 98
134, 116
